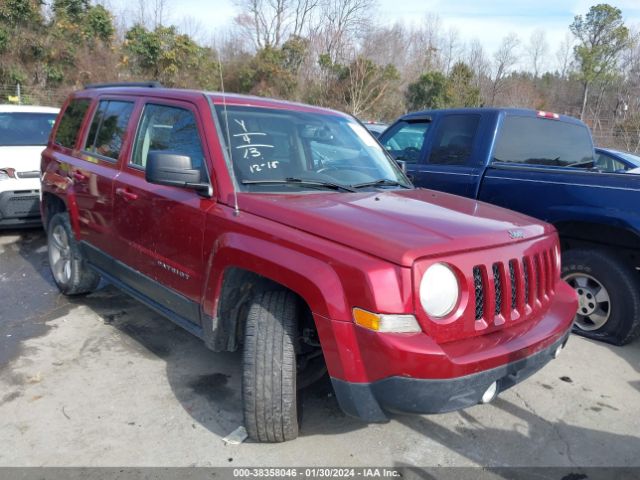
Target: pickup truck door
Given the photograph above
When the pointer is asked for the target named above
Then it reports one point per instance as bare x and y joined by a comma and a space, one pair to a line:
448, 157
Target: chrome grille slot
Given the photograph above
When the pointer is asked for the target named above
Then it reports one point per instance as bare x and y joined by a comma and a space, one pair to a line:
514, 286
479, 291
525, 270
497, 282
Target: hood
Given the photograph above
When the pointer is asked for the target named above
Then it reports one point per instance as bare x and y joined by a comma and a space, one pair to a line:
22, 159
399, 226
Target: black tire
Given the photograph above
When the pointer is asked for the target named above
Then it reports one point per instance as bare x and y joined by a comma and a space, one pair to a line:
69, 268
269, 367
622, 287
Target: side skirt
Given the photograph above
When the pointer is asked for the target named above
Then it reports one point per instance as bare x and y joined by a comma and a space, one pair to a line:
116, 272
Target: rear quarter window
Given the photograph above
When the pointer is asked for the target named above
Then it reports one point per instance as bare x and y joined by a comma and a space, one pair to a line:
544, 142
71, 121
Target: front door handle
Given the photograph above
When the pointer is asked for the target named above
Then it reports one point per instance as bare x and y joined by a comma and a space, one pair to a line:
127, 195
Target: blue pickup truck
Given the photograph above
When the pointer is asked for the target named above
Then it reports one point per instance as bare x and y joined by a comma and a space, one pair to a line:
542, 164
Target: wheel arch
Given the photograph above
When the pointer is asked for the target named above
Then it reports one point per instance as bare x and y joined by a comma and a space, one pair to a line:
51, 204
584, 234
244, 265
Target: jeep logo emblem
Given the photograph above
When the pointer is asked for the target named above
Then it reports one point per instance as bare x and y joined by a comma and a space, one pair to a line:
515, 234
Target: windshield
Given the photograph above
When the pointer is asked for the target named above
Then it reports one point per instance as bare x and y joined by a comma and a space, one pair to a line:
19, 129
283, 150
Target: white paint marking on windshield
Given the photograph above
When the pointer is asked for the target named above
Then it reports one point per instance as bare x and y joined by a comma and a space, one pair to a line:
254, 145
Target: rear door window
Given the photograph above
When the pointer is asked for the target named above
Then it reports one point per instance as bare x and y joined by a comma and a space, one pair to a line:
454, 139
543, 142
71, 121
405, 140
108, 127
169, 129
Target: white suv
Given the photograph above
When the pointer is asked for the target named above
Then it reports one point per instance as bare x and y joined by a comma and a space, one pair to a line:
24, 132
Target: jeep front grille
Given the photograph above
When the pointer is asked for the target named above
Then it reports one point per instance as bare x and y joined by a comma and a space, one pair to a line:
530, 283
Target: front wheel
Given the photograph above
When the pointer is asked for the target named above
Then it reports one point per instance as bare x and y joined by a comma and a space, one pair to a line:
269, 367
70, 271
608, 290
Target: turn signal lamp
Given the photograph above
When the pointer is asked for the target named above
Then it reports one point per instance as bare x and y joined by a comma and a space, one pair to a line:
386, 323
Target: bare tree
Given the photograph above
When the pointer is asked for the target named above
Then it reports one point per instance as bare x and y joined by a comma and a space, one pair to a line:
504, 59
386, 45
425, 43
451, 49
269, 23
478, 62
537, 50
194, 28
564, 54
152, 13
342, 20
366, 86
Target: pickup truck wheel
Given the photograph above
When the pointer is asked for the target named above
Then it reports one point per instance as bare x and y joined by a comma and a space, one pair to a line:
269, 367
608, 290
70, 271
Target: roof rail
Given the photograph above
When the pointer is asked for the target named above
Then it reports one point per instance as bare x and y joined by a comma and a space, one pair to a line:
124, 84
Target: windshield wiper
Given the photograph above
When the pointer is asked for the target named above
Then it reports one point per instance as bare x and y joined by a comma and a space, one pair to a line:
301, 181
383, 182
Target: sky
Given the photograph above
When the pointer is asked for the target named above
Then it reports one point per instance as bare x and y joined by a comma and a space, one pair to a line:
486, 20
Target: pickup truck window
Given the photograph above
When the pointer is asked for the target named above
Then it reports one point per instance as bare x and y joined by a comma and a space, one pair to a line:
283, 150
406, 140
164, 127
544, 142
454, 140
608, 164
71, 122
108, 127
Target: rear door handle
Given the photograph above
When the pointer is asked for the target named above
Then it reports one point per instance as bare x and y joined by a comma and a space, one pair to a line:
79, 176
127, 195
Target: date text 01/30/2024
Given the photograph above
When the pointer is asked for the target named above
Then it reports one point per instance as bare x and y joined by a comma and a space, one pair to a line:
316, 472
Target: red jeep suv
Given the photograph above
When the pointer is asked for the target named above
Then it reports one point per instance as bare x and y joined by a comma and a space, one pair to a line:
288, 231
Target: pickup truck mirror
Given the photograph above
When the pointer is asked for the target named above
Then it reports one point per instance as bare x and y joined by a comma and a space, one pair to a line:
403, 165
175, 170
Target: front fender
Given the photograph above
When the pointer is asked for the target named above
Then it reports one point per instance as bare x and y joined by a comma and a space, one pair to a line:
313, 280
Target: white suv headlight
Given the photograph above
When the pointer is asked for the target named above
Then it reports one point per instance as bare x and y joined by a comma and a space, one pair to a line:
439, 290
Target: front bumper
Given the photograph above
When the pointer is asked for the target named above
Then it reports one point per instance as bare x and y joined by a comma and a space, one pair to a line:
374, 373
19, 208
371, 401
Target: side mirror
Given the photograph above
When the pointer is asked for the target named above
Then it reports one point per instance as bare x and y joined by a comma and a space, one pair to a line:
403, 165
175, 170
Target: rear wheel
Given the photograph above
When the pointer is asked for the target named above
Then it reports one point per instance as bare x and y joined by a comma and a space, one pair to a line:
269, 367
608, 290
70, 271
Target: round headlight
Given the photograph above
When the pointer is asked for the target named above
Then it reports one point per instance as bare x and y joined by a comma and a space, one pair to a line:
439, 290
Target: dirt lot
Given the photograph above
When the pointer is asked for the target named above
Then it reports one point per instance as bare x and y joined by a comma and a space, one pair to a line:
104, 381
